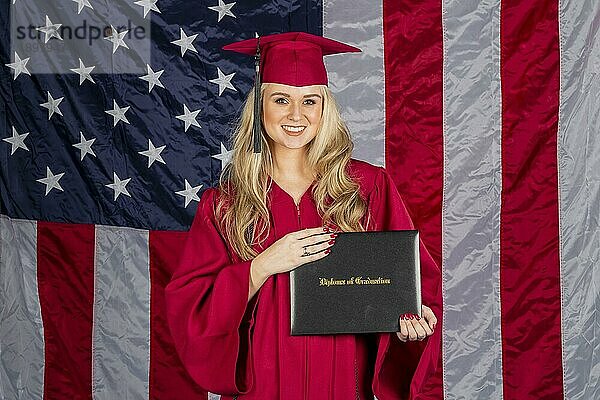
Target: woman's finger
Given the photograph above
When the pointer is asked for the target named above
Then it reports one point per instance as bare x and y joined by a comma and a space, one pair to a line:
425, 326
306, 233
403, 334
429, 316
418, 328
412, 334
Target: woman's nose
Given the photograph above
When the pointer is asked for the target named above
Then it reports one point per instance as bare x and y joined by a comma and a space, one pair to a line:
295, 113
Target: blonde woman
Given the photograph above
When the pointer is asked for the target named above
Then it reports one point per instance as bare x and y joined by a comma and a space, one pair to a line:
229, 303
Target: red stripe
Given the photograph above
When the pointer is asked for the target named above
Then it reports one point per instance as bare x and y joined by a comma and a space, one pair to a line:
168, 378
413, 82
529, 275
66, 290
414, 132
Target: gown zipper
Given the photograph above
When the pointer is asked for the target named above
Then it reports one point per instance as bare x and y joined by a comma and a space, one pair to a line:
305, 337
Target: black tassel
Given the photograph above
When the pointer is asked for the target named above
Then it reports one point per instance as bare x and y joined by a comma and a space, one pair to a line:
256, 128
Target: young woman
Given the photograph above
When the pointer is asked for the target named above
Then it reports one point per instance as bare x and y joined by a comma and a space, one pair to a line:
229, 303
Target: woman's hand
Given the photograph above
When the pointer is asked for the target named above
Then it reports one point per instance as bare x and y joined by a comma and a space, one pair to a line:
289, 252
414, 328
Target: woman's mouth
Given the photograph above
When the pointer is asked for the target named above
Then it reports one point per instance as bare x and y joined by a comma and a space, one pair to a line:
293, 130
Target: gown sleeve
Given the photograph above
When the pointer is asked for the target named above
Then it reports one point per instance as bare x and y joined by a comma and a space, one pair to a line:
208, 311
402, 369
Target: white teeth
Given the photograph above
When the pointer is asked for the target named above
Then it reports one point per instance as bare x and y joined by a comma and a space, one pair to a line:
295, 129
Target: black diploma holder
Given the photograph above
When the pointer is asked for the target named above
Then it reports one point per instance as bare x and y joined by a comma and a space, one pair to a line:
367, 281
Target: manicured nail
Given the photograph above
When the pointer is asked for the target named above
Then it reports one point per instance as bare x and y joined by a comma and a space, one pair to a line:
333, 235
325, 229
332, 241
412, 316
327, 251
418, 318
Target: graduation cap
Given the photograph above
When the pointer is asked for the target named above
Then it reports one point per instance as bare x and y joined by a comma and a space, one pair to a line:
291, 58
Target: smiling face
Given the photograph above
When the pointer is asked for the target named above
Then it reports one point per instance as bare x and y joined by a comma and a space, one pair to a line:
291, 114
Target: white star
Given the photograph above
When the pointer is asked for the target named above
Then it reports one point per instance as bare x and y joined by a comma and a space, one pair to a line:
224, 156
85, 145
83, 72
52, 105
189, 117
50, 30
119, 186
223, 9
224, 81
148, 5
116, 38
17, 141
118, 113
153, 153
152, 78
19, 66
51, 181
190, 193
81, 4
185, 42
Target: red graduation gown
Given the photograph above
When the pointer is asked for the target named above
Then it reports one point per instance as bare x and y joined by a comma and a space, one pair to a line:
231, 346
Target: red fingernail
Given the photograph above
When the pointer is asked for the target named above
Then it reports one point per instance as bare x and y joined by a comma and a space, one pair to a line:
333, 235
332, 241
412, 316
418, 318
327, 251
325, 229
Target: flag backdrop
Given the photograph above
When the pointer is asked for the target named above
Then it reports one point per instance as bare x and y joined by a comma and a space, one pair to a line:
486, 113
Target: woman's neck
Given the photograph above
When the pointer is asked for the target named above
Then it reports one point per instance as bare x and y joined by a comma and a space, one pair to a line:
291, 165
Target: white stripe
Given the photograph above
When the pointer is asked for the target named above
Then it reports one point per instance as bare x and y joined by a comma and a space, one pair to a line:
21, 327
579, 193
121, 324
358, 80
471, 202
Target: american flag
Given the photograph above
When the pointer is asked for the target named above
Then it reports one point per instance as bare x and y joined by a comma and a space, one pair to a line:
486, 113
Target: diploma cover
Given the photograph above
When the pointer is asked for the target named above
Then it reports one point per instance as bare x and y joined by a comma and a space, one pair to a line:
367, 281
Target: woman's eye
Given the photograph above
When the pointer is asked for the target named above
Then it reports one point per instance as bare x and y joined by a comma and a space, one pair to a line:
281, 100
310, 102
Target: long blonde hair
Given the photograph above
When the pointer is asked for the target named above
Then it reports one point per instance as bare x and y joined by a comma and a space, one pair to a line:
242, 209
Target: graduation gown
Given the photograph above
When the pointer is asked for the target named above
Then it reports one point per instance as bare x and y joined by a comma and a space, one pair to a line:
234, 347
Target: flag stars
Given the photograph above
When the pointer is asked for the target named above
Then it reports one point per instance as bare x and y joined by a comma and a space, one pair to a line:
185, 42
52, 105
223, 9
83, 72
118, 113
51, 181
224, 81
116, 38
190, 193
17, 141
189, 117
153, 153
119, 186
148, 5
85, 146
19, 66
81, 4
152, 78
50, 30
225, 156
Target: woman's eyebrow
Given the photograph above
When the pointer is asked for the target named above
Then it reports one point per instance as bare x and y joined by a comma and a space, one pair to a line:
287, 95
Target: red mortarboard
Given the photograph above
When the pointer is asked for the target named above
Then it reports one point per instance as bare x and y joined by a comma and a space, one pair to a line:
292, 58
